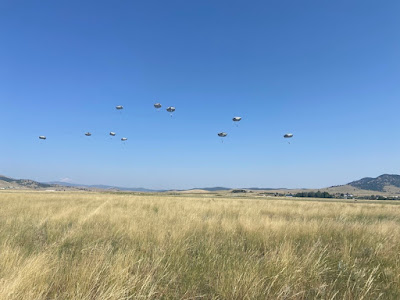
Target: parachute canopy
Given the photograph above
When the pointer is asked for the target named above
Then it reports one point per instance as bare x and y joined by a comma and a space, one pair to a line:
88, 134
119, 107
157, 105
42, 137
288, 135
171, 109
124, 139
112, 133
236, 119
222, 134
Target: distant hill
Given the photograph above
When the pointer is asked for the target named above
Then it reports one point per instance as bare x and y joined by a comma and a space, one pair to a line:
212, 189
103, 187
11, 183
219, 188
383, 183
7, 182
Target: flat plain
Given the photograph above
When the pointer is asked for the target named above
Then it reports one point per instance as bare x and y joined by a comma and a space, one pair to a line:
76, 245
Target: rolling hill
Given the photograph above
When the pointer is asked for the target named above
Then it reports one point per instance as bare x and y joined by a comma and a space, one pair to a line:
383, 183
11, 183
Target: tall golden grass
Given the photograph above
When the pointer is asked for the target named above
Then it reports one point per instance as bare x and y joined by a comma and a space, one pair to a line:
125, 246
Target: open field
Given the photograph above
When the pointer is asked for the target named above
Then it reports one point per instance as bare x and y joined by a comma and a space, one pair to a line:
123, 246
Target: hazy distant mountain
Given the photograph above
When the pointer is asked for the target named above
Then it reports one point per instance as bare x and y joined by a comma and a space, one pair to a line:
381, 183
103, 187
263, 189
212, 189
384, 184
11, 183
218, 188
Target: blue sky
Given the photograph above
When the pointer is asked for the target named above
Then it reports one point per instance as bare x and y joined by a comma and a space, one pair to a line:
327, 71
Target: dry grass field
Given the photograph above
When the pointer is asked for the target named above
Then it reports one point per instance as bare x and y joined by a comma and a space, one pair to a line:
125, 246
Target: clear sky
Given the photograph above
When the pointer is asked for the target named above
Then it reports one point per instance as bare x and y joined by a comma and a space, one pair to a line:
326, 71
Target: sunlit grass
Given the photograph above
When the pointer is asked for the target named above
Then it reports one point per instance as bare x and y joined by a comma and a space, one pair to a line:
122, 246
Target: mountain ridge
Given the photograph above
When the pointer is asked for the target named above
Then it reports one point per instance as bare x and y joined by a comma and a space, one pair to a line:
379, 184
385, 183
